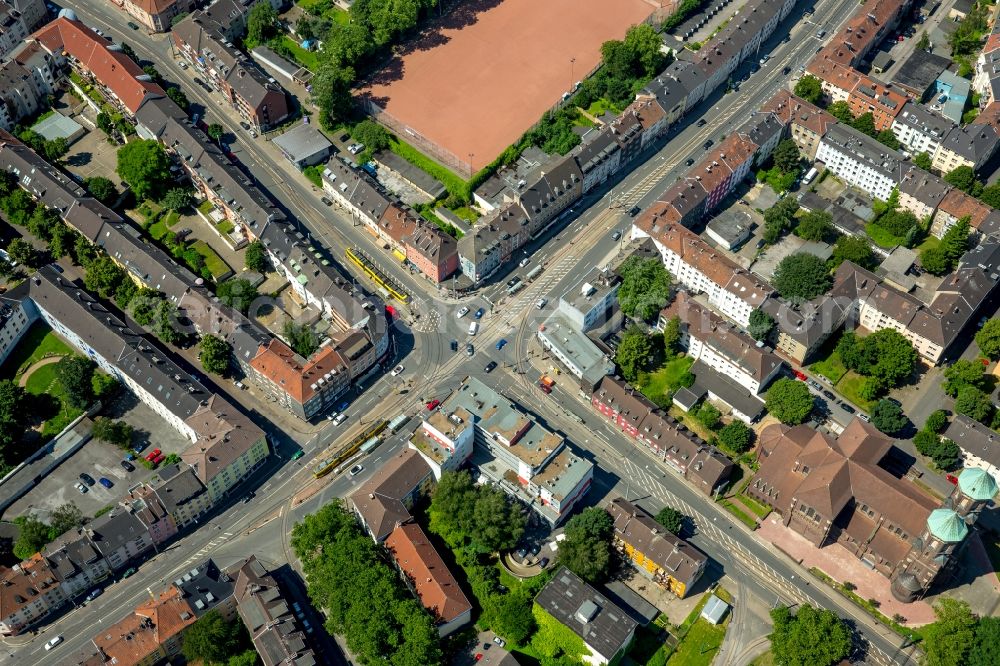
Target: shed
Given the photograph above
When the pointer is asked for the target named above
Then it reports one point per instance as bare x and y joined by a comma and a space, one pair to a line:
58, 126
714, 609
304, 145
881, 62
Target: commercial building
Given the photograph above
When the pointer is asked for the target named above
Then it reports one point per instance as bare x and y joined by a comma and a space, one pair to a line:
860, 160
606, 630
704, 466
257, 97
303, 145
669, 561
574, 350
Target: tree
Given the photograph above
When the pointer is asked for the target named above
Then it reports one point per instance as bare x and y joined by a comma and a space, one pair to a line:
671, 519
586, 550
789, 401
736, 436
75, 375
943, 452
672, 335
801, 276
374, 136
84, 251
842, 112
332, 92
302, 338
936, 421
809, 88
988, 339
262, 25
215, 132
14, 412
885, 356
963, 177
955, 241
815, 226
887, 138
151, 71
255, 257
923, 160
888, 417
963, 373
32, 536
237, 293
985, 649
811, 637
645, 287
102, 189
778, 219
708, 415
64, 517
211, 638
117, 433
898, 222
633, 352
760, 325
935, 261
787, 157
865, 123
974, 403
166, 326
144, 165
855, 249
177, 199
22, 252
924, 42
54, 149
214, 354
6, 268
949, 639
178, 97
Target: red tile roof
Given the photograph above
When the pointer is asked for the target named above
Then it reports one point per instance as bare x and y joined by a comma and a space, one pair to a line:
278, 363
792, 110
958, 204
113, 69
435, 585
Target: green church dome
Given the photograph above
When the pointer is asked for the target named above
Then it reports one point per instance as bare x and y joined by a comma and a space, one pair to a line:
977, 483
947, 525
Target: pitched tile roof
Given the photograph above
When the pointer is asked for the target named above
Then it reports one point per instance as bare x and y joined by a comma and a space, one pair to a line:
379, 500
671, 553
110, 66
295, 375
792, 110
140, 634
422, 564
22, 584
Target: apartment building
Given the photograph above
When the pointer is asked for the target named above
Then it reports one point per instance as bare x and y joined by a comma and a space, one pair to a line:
860, 160
26, 79
722, 346
120, 537
980, 445
183, 496
921, 192
154, 15
732, 290
986, 80
599, 158
877, 98
807, 123
955, 205
866, 28
920, 130
76, 562
669, 561
17, 19
704, 466
385, 500
493, 241
257, 97
972, 146
445, 439
29, 591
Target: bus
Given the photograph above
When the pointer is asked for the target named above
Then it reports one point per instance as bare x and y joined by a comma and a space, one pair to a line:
327, 465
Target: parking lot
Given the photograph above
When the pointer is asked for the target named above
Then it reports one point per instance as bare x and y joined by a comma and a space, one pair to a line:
99, 459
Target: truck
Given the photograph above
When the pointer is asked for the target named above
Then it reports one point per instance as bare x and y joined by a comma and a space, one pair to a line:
546, 383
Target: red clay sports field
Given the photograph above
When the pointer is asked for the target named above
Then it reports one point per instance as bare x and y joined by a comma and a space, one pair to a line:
473, 83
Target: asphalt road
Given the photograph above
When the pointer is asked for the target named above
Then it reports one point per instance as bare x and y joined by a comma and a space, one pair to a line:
432, 368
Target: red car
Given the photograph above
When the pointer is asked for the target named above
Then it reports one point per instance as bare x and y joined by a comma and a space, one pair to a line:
432, 405
391, 311
545, 387
152, 454
158, 459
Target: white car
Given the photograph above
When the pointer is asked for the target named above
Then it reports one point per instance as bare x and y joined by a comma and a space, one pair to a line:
464, 311
357, 469
398, 370
541, 303
340, 419
524, 262
82, 488
53, 642
473, 328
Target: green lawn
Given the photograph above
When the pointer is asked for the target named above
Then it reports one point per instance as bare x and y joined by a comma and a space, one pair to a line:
881, 237
158, 229
38, 343
740, 511
452, 181
766, 659
756, 507
225, 227
583, 121
171, 218
43, 381
850, 388
602, 106
466, 213
929, 242
339, 16
307, 59
213, 261
830, 367
206, 207
667, 378
700, 639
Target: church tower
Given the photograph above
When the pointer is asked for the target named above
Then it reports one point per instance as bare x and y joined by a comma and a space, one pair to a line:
944, 534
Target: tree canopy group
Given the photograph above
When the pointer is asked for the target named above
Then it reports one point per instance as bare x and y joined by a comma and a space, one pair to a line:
789, 401
645, 287
810, 637
886, 358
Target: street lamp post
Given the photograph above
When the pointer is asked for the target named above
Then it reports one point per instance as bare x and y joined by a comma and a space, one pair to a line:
572, 72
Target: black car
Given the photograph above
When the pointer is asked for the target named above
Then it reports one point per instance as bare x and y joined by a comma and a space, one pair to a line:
829, 396
702, 122
689, 162
86, 478
786, 70
634, 210
544, 562
709, 144
490, 367
534, 550
129, 467
522, 553
847, 408
454, 345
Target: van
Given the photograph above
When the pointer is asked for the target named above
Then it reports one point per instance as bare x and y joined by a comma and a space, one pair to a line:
473, 328
809, 176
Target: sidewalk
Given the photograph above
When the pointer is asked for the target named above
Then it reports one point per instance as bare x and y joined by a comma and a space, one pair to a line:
838, 563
